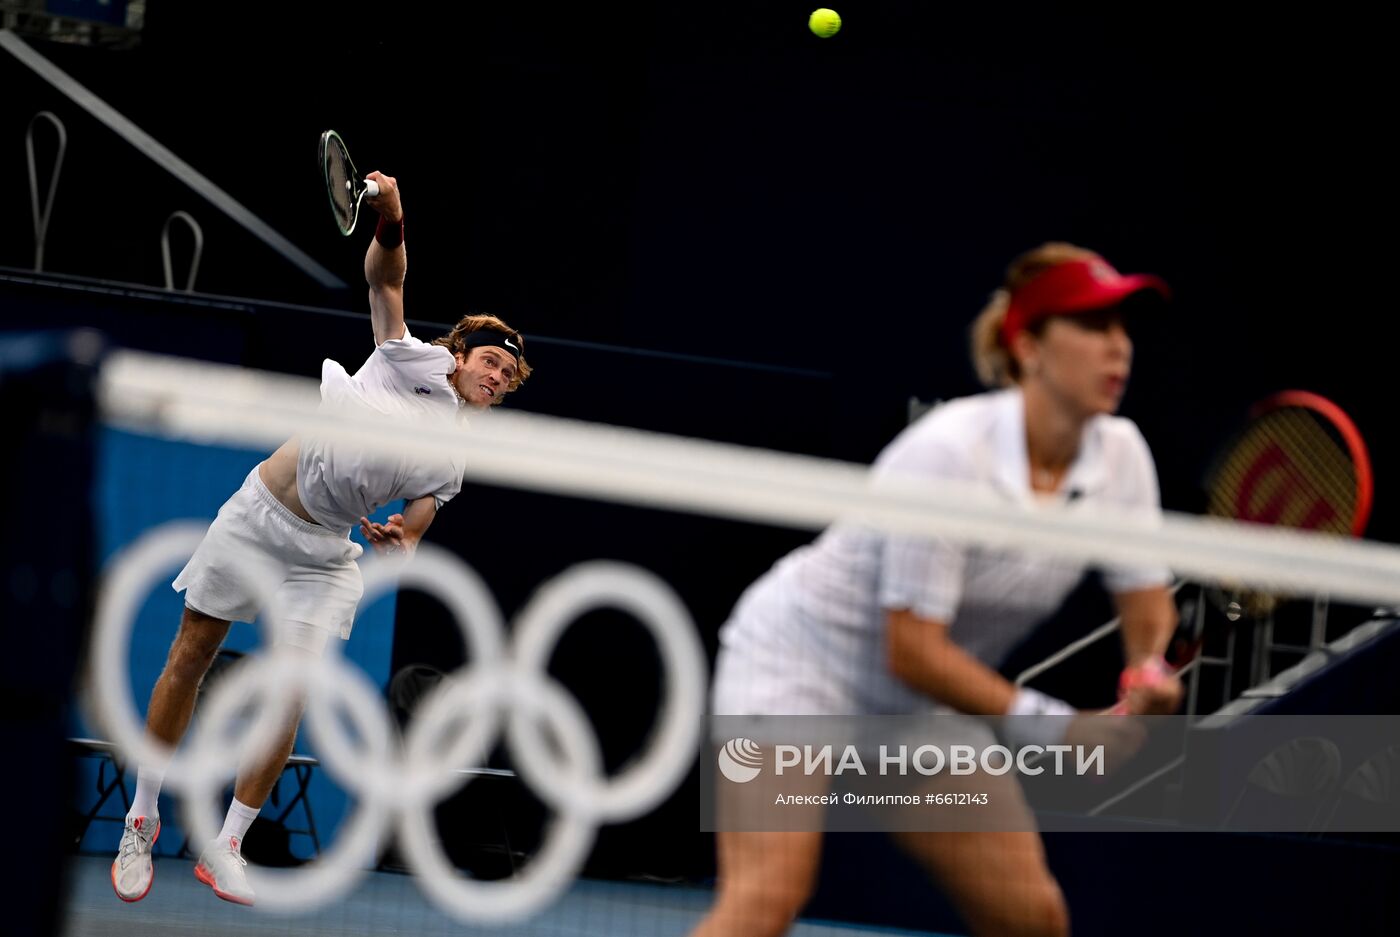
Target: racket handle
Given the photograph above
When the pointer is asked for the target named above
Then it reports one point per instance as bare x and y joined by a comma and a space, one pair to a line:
1146, 674
371, 188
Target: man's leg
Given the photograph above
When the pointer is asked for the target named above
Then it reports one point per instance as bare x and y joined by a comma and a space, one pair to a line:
172, 700
167, 718
221, 863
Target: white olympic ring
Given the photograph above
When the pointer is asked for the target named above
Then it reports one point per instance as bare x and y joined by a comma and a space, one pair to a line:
403, 783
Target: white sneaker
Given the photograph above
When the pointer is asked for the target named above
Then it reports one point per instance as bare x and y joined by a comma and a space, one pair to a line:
132, 871
220, 867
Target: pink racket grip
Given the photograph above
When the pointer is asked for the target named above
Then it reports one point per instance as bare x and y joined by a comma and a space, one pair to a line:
1147, 673
371, 188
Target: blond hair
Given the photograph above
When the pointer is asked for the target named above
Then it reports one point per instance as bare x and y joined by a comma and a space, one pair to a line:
455, 342
995, 365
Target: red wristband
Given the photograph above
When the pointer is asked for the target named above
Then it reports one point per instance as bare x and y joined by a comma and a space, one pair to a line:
388, 234
1144, 674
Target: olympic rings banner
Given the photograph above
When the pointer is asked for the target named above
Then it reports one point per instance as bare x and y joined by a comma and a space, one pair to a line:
505, 689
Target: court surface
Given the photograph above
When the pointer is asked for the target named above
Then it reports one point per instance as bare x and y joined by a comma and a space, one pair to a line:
386, 904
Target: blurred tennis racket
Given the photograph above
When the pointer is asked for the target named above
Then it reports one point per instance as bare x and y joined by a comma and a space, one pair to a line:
343, 184
1300, 462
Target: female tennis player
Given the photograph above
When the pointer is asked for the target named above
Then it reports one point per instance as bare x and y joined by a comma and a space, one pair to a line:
286, 531
863, 623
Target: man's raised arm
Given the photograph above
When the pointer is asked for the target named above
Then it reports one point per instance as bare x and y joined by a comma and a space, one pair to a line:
386, 263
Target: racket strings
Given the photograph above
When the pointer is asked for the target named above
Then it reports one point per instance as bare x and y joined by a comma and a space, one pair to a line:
338, 185
1288, 470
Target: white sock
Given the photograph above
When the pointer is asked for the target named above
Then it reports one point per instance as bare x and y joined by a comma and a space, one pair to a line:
146, 803
240, 816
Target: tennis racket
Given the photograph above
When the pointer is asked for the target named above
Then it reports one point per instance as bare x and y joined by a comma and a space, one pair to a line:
1300, 462
343, 184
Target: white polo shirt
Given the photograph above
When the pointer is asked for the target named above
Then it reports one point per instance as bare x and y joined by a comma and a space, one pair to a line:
819, 614
403, 378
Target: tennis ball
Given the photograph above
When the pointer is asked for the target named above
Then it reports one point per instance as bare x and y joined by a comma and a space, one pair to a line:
824, 23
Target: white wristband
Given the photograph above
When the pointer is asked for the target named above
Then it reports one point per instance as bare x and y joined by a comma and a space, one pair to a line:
1036, 719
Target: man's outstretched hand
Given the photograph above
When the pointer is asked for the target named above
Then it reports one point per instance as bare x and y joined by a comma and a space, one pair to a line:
387, 537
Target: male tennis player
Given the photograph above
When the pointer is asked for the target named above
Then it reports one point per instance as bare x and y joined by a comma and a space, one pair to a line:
286, 532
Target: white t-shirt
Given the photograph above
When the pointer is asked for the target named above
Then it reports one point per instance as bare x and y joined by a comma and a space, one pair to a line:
340, 483
820, 612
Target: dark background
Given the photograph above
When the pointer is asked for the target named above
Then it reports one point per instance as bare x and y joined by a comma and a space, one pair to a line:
716, 181
707, 221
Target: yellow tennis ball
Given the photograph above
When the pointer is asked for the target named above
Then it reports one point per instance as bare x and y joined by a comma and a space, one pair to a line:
824, 23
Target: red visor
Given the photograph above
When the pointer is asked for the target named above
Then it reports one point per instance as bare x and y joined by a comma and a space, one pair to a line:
1069, 288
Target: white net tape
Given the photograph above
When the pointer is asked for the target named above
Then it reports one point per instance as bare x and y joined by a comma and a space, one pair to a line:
233, 405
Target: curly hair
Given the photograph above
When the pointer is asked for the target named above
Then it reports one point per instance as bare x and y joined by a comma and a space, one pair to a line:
455, 341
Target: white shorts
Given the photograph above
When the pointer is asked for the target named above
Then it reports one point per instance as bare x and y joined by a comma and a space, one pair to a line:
257, 552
